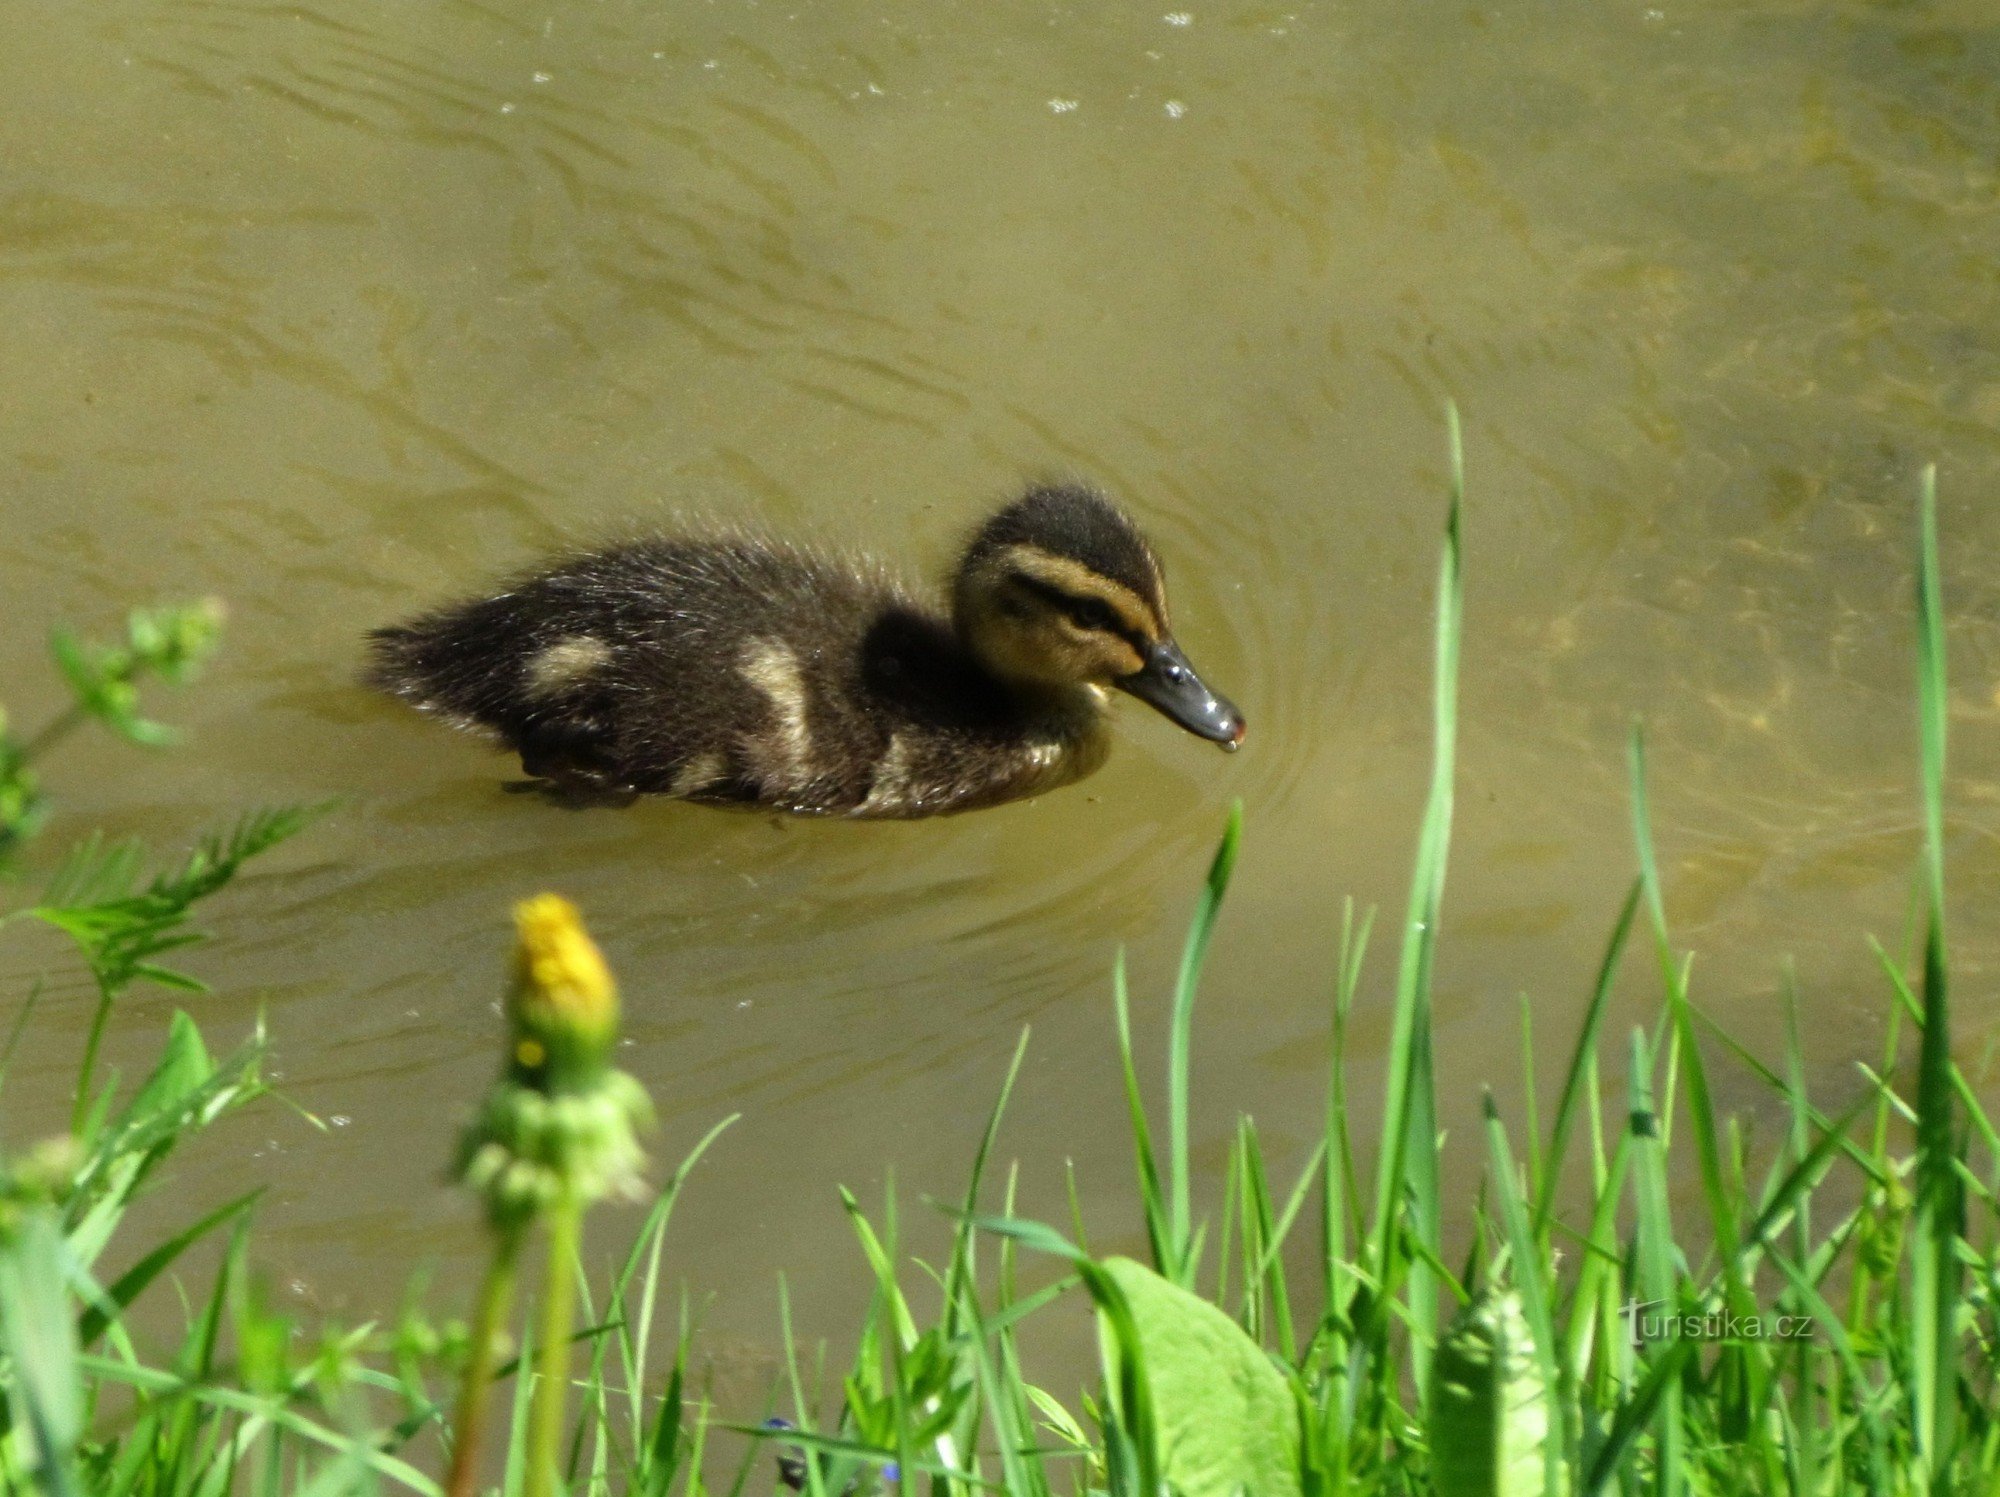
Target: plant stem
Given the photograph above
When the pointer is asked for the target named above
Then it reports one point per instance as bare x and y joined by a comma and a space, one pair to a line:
87, 1069
552, 1375
53, 731
496, 1297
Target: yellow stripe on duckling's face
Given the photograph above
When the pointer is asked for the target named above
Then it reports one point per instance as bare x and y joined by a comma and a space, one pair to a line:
1032, 615
1132, 614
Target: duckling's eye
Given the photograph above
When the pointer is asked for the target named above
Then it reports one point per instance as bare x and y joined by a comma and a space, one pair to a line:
1090, 613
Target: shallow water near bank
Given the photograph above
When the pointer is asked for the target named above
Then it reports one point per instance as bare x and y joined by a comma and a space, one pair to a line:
337, 311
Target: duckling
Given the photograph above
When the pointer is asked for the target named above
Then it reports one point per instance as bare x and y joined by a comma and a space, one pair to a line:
737, 671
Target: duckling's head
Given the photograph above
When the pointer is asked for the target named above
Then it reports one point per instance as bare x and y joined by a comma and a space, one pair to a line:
1059, 591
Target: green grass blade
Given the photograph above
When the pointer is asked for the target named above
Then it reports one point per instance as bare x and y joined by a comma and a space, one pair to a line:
1159, 1230
1700, 1107
1408, 1159
964, 1260
1340, 1191
1658, 1280
132, 1283
1659, 1388
1939, 1217
1585, 1047
1179, 1043
168, 1386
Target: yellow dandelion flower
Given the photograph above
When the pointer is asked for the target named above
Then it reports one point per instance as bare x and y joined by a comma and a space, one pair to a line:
563, 1005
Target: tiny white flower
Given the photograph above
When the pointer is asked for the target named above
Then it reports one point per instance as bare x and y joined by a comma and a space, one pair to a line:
1175, 109
1062, 106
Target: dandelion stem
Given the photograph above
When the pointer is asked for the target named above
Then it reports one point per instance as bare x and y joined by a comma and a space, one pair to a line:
496, 1298
565, 1220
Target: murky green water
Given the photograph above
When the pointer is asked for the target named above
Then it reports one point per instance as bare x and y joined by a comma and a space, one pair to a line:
336, 310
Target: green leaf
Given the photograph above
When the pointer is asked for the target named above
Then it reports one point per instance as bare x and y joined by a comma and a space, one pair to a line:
36, 1333
1225, 1416
183, 1067
1491, 1411
132, 1283
185, 1092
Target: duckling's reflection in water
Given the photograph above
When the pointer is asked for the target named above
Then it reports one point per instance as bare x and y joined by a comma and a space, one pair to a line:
739, 671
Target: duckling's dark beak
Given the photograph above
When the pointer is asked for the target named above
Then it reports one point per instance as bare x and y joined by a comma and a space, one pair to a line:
1168, 685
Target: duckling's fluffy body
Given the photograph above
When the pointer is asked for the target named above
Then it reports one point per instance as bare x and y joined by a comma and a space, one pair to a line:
740, 671
803, 684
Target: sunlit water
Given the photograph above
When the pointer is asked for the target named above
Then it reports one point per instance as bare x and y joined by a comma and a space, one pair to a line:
336, 311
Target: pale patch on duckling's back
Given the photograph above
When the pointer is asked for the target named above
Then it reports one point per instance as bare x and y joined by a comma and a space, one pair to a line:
568, 662
697, 775
772, 666
889, 785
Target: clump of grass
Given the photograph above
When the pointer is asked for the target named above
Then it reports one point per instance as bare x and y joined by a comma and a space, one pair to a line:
1823, 1324
1816, 1316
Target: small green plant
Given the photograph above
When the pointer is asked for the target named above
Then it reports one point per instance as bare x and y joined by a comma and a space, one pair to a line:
62, 1201
555, 1134
171, 644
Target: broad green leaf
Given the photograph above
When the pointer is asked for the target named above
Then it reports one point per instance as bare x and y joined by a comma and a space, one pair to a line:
1226, 1419
1490, 1407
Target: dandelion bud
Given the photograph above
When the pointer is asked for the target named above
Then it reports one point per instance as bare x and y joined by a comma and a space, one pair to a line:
560, 1124
563, 1008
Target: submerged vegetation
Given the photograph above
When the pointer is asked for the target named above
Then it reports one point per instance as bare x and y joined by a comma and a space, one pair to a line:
1822, 1320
